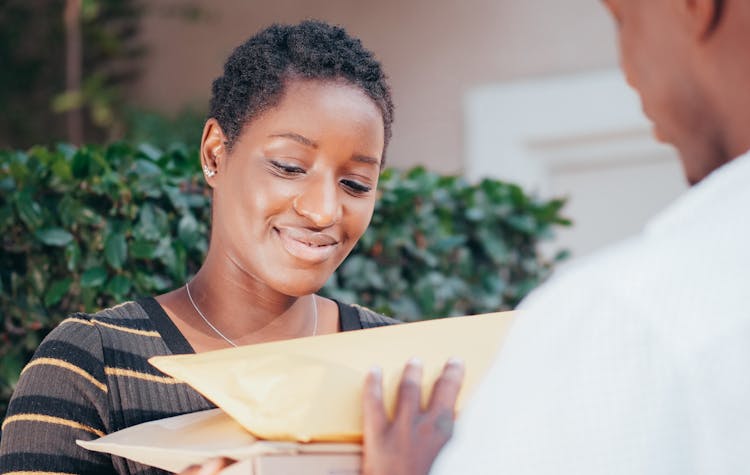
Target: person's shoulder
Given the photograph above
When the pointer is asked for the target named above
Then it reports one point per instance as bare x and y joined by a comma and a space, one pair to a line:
128, 317
80, 327
371, 319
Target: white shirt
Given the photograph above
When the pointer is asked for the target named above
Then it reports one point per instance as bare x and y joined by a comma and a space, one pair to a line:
634, 361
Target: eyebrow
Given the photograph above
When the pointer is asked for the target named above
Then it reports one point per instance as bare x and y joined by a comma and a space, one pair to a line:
366, 159
311, 143
297, 138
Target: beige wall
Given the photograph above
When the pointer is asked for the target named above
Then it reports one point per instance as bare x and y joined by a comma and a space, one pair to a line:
433, 50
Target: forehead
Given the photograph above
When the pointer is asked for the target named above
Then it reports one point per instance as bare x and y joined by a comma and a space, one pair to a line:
324, 112
314, 100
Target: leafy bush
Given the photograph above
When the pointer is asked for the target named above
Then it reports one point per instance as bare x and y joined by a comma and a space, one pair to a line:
83, 229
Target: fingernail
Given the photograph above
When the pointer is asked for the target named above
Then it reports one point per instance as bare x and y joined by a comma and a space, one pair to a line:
414, 361
454, 368
455, 361
376, 373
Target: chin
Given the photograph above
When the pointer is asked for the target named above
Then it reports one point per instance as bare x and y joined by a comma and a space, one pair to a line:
659, 135
299, 283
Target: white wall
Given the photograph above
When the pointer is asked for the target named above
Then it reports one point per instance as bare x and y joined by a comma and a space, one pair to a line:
582, 136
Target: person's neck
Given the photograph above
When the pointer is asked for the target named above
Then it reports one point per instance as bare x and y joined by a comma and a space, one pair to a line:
246, 310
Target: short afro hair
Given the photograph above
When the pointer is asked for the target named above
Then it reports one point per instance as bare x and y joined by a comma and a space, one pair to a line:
256, 72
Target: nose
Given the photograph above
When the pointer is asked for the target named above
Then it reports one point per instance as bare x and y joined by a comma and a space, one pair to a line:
319, 203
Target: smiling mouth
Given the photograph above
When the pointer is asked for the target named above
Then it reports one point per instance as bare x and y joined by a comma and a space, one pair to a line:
307, 246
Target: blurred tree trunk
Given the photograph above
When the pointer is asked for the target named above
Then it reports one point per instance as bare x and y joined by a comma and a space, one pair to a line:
73, 68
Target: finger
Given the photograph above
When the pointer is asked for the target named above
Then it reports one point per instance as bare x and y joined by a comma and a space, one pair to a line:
443, 425
191, 470
447, 387
409, 400
214, 466
375, 419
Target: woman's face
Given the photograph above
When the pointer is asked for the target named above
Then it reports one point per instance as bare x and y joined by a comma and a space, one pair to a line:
297, 190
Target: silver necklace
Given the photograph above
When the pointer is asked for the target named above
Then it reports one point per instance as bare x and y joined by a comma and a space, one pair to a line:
216, 330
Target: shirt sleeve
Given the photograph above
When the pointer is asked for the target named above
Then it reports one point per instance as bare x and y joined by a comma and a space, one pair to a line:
61, 396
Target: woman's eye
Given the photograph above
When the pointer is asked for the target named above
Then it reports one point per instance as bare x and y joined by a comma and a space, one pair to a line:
356, 187
287, 169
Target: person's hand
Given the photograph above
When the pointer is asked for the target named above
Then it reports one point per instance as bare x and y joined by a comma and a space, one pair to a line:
409, 443
212, 467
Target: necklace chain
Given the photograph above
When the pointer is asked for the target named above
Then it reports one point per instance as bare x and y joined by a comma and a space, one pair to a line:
224, 337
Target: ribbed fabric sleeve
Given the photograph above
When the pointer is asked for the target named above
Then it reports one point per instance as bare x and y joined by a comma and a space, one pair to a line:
371, 319
88, 378
61, 396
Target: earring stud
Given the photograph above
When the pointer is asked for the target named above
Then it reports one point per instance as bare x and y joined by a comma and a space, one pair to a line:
209, 173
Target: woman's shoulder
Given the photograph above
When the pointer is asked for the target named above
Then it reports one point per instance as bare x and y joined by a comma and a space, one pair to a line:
77, 328
128, 317
369, 318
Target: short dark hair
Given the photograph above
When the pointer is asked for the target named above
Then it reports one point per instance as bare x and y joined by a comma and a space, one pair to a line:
255, 74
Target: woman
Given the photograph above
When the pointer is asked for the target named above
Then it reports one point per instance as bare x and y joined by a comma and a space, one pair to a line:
292, 151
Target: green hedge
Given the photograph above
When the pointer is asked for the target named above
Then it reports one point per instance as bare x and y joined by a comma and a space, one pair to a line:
86, 228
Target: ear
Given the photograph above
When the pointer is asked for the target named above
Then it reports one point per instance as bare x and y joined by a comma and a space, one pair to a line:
702, 16
213, 150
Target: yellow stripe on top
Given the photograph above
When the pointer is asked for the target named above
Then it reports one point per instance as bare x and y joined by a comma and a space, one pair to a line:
150, 333
134, 331
129, 373
50, 420
64, 364
77, 320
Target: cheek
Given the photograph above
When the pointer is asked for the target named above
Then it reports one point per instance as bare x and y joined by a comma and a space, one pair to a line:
358, 218
249, 203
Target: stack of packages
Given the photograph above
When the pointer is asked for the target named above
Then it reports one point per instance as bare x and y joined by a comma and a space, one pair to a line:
294, 406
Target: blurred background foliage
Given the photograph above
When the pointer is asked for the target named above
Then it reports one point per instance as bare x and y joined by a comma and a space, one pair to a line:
85, 228
54, 72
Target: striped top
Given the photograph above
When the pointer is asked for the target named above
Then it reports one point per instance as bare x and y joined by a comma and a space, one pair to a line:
91, 377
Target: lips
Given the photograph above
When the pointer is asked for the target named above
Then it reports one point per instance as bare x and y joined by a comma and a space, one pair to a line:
309, 246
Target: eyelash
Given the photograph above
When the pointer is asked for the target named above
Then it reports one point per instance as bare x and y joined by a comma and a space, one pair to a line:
290, 170
356, 187
287, 169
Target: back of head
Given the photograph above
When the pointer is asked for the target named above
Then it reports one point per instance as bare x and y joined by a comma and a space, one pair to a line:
256, 73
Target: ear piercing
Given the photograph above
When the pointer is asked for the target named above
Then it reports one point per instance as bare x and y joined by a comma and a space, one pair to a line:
209, 173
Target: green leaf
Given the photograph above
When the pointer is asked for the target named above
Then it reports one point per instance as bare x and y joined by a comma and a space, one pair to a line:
81, 164
474, 214
61, 169
56, 292
119, 286
152, 223
141, 249
29, 210
151, 152
188, 231
57, 237
93, 277
72, 256
115, 249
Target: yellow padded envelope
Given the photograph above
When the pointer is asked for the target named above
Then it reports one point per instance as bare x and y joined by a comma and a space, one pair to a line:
310, 389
